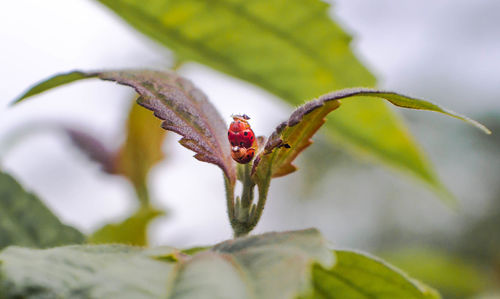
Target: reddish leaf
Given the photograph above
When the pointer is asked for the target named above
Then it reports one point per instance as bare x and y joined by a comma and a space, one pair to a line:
183, 108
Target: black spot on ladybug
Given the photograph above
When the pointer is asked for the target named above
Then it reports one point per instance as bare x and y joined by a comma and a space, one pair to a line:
251, 137
246, 133
241, 143
233, 144
248, 156
228, 133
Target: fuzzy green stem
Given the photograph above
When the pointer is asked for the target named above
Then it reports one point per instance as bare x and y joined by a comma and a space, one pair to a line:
257, 211
247, 193
244, 209
229, 199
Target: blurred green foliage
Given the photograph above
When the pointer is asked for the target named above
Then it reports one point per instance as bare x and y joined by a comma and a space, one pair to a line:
26, 221
132, 231
358, 275
450, 274
142, 149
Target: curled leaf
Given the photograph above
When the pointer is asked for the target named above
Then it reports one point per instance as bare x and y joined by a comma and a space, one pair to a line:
291, 137
183, 108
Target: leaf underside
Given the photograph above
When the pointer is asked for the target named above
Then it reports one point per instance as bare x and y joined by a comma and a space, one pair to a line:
276, 159
291, 48
183, 108
26, 221
268, 266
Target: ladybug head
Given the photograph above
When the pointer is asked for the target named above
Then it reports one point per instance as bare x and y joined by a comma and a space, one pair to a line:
242, 117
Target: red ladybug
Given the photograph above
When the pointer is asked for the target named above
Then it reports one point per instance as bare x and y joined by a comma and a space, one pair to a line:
240, 134
242, 155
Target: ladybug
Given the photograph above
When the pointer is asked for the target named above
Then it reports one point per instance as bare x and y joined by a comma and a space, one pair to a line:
240, 134
242, 155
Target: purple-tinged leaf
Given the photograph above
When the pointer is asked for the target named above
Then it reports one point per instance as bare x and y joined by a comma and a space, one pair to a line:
291, 137
183, 108
93, 148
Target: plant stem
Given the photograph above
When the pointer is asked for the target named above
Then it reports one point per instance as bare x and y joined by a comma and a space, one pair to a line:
229, 199
247, 194
244, 209
263, 189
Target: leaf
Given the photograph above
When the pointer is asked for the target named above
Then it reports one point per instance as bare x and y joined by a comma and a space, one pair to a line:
98, 271
268, 266
93, 148
183, 108
358, 275
55, 81
276, 159
26, 221
273, 265
141, 151
453, 276
132, 231
292, 49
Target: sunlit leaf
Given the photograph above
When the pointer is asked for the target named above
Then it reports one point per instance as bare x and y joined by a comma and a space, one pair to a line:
26, 221
358, 275
291, 48
132, 231
142, 149
183, 108
292, 136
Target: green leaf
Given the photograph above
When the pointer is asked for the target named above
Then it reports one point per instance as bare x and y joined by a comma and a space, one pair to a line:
183, 108
268, 266
26, 221
132, 231
358, 275
141, 151
273, 265
294, 135
291, 48
55, 81
98, 271
453, 276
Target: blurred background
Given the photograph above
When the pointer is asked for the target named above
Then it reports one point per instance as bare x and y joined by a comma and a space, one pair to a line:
445, 51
